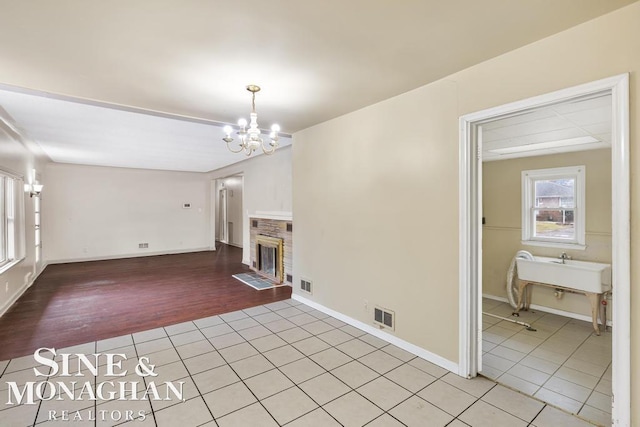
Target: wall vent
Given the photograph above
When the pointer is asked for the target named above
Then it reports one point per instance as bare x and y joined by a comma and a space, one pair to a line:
289, 226
254, 223
289, 278
143, 245
384, 318
306, 286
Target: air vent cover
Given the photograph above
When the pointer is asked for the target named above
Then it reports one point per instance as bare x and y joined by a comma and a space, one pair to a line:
305, 285
384, 318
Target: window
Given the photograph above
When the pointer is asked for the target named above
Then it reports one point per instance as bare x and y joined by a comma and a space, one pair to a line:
553, 207
11, 204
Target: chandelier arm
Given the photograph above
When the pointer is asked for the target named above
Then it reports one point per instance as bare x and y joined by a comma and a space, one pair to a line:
234, 151
268, 152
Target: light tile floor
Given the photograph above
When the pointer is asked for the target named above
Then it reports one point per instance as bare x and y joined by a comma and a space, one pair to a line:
563, 362
282, 364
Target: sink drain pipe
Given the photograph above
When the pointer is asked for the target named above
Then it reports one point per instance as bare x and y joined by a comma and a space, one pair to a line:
526, 325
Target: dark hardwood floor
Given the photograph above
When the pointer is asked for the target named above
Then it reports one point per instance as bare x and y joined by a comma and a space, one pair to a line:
75, 303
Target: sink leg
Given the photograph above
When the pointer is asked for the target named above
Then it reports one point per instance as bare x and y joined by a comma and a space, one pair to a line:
595, 302
529, 290
603, 312
522, 286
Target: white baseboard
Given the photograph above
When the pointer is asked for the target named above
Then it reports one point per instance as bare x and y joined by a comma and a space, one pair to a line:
392, 339
131, 255
550, 310
30, 279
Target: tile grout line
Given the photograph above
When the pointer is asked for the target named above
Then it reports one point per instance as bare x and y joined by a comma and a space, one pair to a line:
549, 337
236, 373
379, 375
153, 412
561, 365
288, 388
189, 375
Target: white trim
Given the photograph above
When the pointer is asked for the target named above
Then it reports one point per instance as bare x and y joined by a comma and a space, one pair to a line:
124, 256
470, 245
10, 264
621, 248
276, 215
392, 339
469, 308
553, 244
550, 310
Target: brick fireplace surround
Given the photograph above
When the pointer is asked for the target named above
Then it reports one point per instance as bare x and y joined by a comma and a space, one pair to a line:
276, 226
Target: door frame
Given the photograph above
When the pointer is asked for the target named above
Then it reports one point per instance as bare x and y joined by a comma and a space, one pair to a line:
470, 232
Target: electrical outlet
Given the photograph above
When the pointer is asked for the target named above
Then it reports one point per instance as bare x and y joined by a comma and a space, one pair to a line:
366, 305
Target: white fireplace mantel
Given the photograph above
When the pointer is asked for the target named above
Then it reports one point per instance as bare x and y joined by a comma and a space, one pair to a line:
276, 215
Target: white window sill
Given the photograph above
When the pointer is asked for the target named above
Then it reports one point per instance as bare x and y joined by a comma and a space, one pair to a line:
559, 245
8, 265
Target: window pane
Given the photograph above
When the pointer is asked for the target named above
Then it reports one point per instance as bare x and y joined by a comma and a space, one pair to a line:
555, 223
555, 193
3, 221
10, 211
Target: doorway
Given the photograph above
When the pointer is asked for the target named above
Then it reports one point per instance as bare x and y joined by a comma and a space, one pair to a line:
230, 217
471, 254
223, 210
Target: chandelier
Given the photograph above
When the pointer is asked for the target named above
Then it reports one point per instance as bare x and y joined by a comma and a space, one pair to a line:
250, 139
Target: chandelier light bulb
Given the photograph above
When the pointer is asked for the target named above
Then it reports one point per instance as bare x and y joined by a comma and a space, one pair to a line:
275, 128
242, 123
227, 130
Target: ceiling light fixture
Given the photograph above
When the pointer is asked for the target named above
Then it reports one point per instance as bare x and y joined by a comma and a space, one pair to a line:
250, 139
545, 145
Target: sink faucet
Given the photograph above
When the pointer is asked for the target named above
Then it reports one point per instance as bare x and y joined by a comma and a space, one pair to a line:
564, 257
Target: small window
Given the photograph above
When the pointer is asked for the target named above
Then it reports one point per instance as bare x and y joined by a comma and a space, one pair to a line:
553, 207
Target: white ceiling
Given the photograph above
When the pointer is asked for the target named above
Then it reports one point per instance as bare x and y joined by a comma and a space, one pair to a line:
580, 124
81, 133
314, 61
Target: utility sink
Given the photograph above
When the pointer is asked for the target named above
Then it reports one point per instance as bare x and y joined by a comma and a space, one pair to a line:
584, 276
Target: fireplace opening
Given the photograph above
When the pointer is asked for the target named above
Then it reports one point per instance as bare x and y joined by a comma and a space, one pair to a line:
270, 258
267, 260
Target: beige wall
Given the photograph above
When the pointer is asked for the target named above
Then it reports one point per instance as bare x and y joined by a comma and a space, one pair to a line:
92, 212
364, 183
267, 187
17, 159
502, 233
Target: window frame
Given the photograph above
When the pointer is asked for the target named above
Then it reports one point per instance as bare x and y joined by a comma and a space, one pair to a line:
529, 178
11, 220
